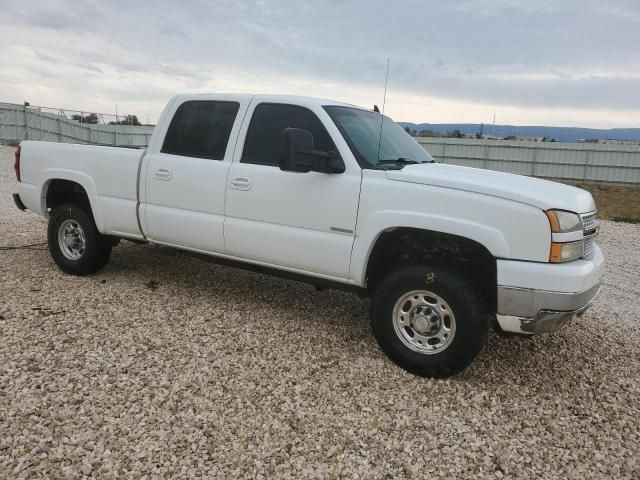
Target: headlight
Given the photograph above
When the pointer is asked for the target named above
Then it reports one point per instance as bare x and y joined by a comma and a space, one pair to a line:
564, 248
565, 252
564, 222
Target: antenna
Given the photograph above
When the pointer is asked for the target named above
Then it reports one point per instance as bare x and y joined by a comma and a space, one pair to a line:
384, 101
386, 82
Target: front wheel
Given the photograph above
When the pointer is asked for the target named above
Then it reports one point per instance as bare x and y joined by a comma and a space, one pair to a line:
430, 322
76, 245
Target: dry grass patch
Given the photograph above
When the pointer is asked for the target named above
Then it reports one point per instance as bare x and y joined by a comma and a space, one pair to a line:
616, 202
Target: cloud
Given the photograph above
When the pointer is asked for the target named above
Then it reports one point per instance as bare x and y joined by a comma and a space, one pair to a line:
491, 55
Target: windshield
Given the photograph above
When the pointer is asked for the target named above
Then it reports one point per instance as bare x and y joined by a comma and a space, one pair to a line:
361, 129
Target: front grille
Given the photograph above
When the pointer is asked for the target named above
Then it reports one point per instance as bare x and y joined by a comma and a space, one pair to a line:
587, 248
589, 222
590, 229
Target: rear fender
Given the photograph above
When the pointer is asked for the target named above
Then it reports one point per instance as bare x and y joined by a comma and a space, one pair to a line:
82, 179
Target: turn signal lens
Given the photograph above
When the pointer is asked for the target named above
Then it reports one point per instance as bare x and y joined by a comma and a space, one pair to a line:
565, 252
564, 222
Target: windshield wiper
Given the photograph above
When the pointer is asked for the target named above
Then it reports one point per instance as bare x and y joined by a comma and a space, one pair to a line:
399, 162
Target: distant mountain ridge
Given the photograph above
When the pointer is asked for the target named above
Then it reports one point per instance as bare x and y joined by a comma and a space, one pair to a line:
562, 134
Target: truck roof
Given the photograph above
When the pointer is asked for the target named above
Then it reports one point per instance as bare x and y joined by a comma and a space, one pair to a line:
293, 99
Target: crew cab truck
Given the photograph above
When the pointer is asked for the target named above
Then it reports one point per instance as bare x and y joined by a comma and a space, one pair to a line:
338, 196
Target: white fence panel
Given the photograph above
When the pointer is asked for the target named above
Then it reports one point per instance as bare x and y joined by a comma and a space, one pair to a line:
564, 161
18, 122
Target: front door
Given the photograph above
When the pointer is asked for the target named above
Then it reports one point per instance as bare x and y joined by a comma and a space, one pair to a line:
300, 221
186, 179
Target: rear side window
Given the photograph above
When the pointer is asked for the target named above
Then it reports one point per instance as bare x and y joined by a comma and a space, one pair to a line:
264, 136
201, 129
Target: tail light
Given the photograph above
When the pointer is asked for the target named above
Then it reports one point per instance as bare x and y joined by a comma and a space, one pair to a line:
16, 165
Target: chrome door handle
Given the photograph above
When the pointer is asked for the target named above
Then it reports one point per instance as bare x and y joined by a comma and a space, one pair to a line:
163, 174
241, 183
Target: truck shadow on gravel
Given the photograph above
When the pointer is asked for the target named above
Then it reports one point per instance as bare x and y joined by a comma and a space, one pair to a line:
547, 363
168, 273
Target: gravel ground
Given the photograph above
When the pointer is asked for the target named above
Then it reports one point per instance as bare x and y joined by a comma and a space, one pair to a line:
163, 366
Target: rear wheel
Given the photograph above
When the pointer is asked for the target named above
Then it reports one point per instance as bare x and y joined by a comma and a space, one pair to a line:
430, 322
75, 243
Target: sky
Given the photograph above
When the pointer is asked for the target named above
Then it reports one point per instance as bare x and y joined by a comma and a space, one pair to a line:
528, 62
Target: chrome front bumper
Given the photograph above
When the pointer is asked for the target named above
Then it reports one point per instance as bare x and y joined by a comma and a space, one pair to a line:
542, 297
531, 311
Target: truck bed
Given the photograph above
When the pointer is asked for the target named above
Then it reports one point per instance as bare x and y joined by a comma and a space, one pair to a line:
108, 174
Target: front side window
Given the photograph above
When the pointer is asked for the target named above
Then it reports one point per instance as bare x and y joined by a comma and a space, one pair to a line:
264, 136
375, 139
201, 129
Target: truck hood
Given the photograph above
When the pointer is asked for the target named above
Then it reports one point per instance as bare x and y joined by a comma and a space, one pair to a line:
532, 191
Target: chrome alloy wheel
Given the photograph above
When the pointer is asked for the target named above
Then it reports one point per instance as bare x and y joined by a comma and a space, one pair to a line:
424, 322
71, 239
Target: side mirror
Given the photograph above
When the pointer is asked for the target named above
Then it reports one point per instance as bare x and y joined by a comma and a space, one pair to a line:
297, 154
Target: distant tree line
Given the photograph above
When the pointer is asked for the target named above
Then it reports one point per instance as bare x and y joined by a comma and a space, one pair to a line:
430, 133
92, 118
127, 120
458, 134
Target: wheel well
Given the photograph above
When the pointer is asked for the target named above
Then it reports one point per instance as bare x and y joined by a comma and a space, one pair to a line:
400, 247
65, 191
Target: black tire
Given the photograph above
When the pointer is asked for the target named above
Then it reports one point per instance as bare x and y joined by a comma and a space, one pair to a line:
471, 321
97, 247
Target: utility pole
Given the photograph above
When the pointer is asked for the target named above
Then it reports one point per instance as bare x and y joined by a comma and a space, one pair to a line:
26, 121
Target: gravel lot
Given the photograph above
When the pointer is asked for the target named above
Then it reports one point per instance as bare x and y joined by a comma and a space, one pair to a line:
164, 366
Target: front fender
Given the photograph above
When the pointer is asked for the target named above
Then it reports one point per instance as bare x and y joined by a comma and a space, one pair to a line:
379, 222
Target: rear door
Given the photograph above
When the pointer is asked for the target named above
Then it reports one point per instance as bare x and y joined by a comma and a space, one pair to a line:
184, 190
300, 221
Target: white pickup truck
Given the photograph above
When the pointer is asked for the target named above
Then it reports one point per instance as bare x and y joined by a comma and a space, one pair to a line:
338, 196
